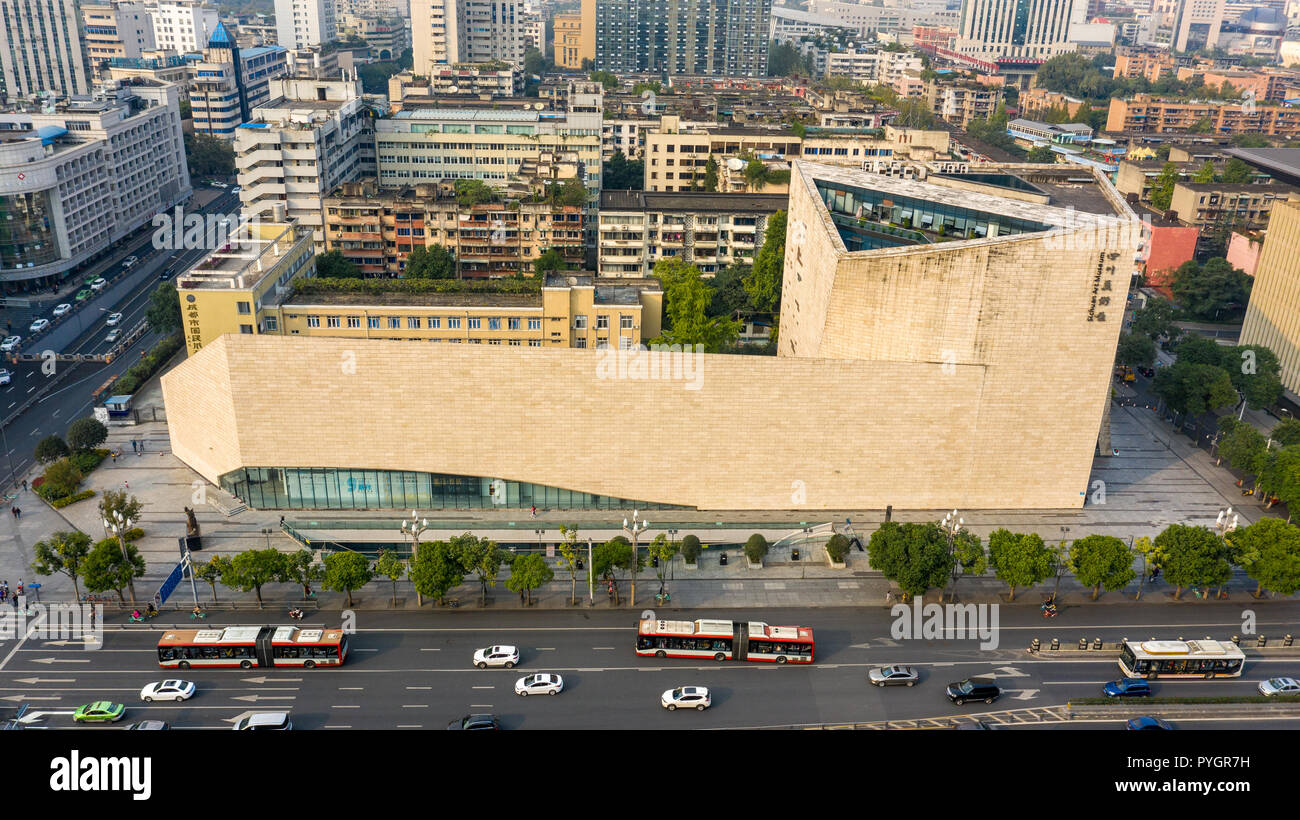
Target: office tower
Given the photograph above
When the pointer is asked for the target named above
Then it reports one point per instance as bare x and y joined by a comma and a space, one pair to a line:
183, 26
303, 23
723, 38
41, 49
1197, 23
116, 30
447, 32
1019, 29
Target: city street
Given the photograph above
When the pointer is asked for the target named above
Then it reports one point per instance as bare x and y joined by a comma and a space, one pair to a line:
414, 670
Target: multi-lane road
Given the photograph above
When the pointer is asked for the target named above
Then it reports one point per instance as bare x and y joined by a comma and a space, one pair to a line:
83, 331
414, 670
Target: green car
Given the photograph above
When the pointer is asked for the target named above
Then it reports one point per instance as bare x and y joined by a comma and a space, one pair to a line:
83, 294
100, 711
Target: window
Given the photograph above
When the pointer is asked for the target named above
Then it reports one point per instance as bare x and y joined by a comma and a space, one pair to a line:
331, 321
313, 321
453, 323
624, 321
272, 323
474, 323
534, 342
602, 323
494, 323
434, 323
244, 308
413, 322
579, 322
354, 321
534, 324
372, 322
624, 343
513, 323
579, 342
394, 322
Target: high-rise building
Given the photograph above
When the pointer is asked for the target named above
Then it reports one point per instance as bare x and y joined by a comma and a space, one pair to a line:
569, 41
116, 30
1019, 29
41, 50
726, 38
183, 26
446, 32
1197, 23
231, 81
303, 23
1271, 317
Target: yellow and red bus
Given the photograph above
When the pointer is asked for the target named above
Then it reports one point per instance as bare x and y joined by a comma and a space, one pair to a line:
249, 646
725, 640
1181, 659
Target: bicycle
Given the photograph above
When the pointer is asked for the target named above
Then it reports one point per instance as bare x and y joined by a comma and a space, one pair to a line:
198, 616
663, 598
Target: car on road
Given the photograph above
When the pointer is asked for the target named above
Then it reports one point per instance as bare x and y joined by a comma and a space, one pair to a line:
264, 721
167, 690
5, 376
1127, 688
506, 656
149, 725
165, 275
112, 335
63, 309
39, 325
973, 689
1279, 686
236, 190
113, 318
98, 284
10, 344
542, 683
686, 697
475, 723
1146, 723
1148, 372
84, 294
216, 184
893, 676
101, 711
129, 262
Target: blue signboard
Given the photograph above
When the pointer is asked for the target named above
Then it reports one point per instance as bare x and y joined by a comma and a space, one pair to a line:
169, 586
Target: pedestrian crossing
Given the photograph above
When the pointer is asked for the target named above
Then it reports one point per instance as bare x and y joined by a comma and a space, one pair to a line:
1008, 717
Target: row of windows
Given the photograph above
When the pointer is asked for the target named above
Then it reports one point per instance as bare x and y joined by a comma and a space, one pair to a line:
435, 322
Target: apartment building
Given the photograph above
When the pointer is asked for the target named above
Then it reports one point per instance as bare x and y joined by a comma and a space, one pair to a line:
1024, 29
116, 30
305, 23
376, 228
673, 37
155, 67
83, 175
883, 67
570, 46
386, 37
182, 26
710, 231
41, 50
446, 32
959, 103
1152, 115
476, 80
305, 142
1265, 85
1150, 64
229, 82
1205, 204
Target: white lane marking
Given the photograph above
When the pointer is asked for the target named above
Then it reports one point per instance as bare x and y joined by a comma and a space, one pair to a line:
773, 585
427, 649
849, 585
410, 725
344, 707
480, 706
332, 726
415, 706
352, 688
603, 648
419, 687
482, 687
365, 650
545, 649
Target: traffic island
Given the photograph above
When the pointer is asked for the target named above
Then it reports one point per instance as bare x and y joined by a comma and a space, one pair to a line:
1174, 708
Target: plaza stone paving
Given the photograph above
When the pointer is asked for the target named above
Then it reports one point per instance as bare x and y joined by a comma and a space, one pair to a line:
1157, 479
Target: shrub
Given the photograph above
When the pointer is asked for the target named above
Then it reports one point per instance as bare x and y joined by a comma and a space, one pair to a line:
133, 534
88, 460
690, 549
51, 448
61, 478
60, 503
140, 372
837, 547
756, 548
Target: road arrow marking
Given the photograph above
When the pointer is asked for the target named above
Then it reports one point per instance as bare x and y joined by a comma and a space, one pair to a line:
1025, 694
29, 697
38, 715
61, 660
264, 679
45, 680
74, 643
887, 641
1005, 672
256, 698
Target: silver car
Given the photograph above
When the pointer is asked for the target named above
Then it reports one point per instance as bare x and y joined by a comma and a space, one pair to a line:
1279, 686
893, 676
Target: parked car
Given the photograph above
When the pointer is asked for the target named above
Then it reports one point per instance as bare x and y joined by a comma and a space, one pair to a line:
264, 721
1127, 688
83, 294
10, 344
39, 325
1146, 723
149, 724
542, 683
63, 309
113, 318
973, 689
475, 723
893, 676
177, 690
1279, 686
506, 656
216, 184
98, 284
112, 335
129, 262
5, 376
100, 711
686, 697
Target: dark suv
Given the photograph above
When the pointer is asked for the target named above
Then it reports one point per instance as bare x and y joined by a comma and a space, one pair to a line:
973, 689
475, 722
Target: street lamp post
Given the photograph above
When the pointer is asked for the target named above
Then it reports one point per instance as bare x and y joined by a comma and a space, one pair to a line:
672, 564
414, 528
951, 525
117, 523
634, 530
1065, 532
1225, 524
591, 579
4, 438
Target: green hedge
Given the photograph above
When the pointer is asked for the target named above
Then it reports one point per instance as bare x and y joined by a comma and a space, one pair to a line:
133, 534
1187, 701
141, 371
60, 503
379, 287
88, 460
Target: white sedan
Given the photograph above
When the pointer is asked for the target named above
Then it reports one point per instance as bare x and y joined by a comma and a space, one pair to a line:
543, 683
1279, 686
506, 656
10, 344
686, 697
112, 335
63, 309
167, 690
5, 376
39, 325
113, 318
129, 262
98, 284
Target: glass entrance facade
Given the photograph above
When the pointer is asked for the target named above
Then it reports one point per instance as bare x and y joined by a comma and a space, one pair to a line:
324, 488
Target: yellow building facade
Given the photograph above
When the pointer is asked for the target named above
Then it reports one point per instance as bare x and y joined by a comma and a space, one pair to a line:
1273, 315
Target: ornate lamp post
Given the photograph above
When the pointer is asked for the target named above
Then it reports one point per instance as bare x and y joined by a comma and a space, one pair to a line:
951, 525
634, 530
414, 528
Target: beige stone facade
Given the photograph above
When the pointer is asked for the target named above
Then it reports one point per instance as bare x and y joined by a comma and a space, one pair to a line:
1273, 316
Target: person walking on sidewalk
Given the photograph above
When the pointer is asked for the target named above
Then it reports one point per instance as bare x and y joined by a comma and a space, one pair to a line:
133, 447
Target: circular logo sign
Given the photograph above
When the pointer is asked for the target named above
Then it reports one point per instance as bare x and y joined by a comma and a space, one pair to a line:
189, 297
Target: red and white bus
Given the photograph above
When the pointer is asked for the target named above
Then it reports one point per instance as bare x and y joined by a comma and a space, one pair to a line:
249, 646
725, 640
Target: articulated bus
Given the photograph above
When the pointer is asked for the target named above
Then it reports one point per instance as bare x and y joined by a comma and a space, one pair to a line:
725, 640
249, 646
1181, 659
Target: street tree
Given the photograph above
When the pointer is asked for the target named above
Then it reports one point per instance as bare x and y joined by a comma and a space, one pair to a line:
107, 567
1273, 550
1194, 389
1019, 559
347, 571
568, 547
119, 505
252, 569
1151, 558
837, 547
969, 557
527, 573
301, 568
389, 566
1286, 432
1211, 290
1156, 320
1136, 350
164, 311
662, 550
211, 572
481, 556
1101, 561
86, 434
690, 549
51, 448
1193, 557
1242, 447
436, 570
915, 556
1280, 475
610, 557
63, 552
755, 548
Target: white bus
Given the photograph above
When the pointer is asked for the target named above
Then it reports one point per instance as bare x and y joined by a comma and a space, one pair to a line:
1207, 658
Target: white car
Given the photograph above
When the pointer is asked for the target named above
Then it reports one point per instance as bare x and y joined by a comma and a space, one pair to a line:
177, 690
274, 721
1279, 686
129, 262
39, 325
543, 683
112, 335
5, 377
506, 656
113, 318
235, 190
216, 184
686, 697
10, 344
98, 284
63, 309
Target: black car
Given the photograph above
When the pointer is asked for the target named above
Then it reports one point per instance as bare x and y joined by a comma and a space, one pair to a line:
973, 689
473, 722
1148, 372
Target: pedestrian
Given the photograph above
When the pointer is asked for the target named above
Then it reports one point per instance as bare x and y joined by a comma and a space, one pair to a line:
534, 512
889, 597
141, 447
126, 484
20, 587
24, 485
18, 512
114, 458
134, 449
